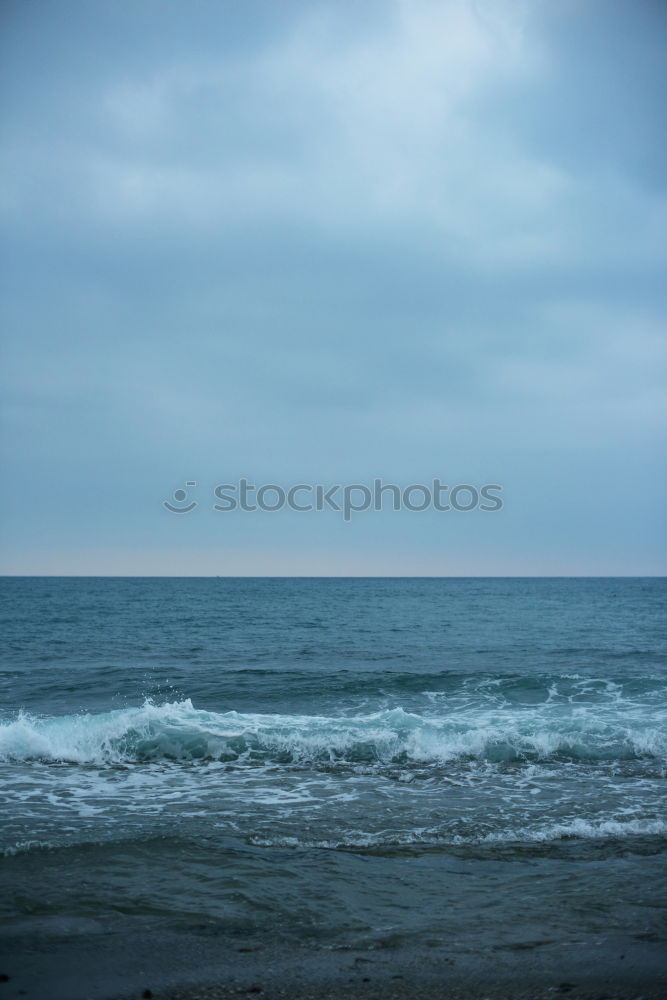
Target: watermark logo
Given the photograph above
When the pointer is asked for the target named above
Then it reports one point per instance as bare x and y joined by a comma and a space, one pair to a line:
180, 496
346, 499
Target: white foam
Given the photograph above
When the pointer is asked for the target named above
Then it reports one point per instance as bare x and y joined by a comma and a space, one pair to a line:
578, 829
178, 731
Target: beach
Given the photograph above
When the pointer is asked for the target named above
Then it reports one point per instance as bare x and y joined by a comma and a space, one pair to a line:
332, 592
327, 787
179, 968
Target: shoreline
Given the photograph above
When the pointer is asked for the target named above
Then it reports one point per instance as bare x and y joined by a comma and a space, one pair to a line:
106, 964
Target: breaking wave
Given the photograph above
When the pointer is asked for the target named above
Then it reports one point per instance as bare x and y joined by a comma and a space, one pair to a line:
177, 731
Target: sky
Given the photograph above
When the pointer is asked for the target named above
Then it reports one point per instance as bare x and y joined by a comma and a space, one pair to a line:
322, 243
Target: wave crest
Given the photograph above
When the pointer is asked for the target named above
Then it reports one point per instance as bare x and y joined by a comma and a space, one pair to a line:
177, 731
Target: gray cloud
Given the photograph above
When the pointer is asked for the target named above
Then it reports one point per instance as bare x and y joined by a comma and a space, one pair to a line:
333, 241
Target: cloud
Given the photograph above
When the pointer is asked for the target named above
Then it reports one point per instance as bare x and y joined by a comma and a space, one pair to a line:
321, 239
321, 125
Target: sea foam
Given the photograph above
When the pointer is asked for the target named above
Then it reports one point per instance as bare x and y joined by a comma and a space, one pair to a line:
177, 731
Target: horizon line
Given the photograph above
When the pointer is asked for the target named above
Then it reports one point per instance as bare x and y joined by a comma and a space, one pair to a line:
332, 576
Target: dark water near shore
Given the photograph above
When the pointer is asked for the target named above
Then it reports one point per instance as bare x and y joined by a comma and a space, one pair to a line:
336, 761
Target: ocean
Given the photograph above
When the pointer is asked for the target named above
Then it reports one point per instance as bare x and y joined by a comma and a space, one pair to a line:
334, 763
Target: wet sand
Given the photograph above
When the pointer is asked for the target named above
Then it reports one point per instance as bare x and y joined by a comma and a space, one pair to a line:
449, 991
89, 963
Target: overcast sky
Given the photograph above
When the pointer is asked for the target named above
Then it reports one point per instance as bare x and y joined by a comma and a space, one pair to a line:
310, 242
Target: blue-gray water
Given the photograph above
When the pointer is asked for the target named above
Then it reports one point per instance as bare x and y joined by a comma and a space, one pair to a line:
336, 761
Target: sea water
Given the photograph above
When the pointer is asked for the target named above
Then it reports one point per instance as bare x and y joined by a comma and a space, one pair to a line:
336, 761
